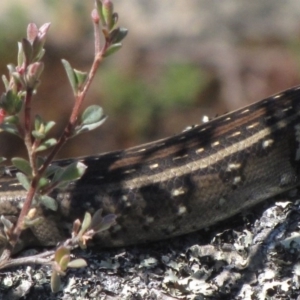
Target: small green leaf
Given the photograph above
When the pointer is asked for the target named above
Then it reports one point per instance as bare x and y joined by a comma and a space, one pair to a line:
46, 145
62, 185
55, 282
22, 165
38, 135
57, 172
60, 253
18, 102
96, 219
44, 181
21, 56
100, 13
51, 170
115, 18
37, 49
77, 263
97, 223
11, 68
41, 128
92, 114
23, 180
118, 34
107, 13
106, 223
71, 75
10, 128
6, 223
18, 79
80, 78
2, 159
112, 49
27, 51
40, 55
48, 202
73, 171
48, 126
11, 102
85, 223
6, 82
85, 128
12, 120
38, 121
64, 262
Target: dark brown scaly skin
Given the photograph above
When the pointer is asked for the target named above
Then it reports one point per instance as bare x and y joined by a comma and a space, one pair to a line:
179, 184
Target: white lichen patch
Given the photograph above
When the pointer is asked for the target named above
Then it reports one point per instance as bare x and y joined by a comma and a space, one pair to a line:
149, 220
181, 210
237, 180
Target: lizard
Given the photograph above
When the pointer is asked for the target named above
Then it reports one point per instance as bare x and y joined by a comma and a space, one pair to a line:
179, 184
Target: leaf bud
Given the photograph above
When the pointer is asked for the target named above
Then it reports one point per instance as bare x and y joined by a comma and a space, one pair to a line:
108, 9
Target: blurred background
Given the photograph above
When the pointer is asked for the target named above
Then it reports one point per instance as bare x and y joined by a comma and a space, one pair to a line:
181, 60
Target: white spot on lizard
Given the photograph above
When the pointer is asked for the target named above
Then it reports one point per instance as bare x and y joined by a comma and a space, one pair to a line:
267, 143
178, 192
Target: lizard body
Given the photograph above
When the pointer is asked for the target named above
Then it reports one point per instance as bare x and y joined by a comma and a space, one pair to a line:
179, 184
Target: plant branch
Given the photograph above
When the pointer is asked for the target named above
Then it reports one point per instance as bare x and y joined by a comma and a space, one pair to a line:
27, 128
97, 36
75, 112
64, 137
24, 80
25, 209
42, 259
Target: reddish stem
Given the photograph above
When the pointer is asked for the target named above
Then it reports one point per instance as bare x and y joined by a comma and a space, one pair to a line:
63, 138
25, 209
75, 112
